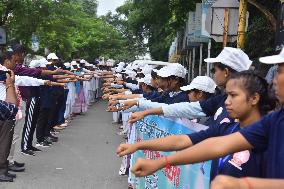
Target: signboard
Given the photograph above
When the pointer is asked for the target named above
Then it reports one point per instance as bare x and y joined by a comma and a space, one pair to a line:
206, 5
35, 43
191, 42
214, 21
280, 28
195, 176
198, 37
3, 38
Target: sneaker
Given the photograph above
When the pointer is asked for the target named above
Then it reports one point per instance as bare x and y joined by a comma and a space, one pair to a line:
53, 137
54, 132
122, 133
17, 164
28, 152
48, 141
43, 144
34, 149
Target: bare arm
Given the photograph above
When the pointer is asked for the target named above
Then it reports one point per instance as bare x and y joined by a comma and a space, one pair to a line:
140, 115
11, 96
170, 143
227, 182
211, 148
122, 96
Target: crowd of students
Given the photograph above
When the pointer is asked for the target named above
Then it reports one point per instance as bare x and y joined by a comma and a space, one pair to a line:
242, 110
40, 97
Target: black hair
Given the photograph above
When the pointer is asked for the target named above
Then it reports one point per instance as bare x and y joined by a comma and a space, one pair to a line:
154, 74
254, 83
223, 67
7, 55
206, 95
181, 80
18, 48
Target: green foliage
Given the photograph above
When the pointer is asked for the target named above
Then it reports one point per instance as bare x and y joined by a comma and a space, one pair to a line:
158, 21
68, 27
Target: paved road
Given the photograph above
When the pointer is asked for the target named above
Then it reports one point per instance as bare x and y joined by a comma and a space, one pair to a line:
83, 158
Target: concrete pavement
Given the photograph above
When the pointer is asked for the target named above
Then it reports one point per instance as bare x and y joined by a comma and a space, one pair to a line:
84, 157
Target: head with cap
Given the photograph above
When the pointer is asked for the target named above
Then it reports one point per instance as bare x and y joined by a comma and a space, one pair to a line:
145, 83
34, 64
201, 88
67, 66
52, 58
229, 61
18, 53
74, 66
279, 79
154, 76
172, 77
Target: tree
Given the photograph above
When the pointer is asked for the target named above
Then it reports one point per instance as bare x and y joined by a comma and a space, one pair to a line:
68, 27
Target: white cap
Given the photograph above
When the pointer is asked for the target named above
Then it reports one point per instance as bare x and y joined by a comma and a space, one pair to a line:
275, 59
203, 83
52, 56
141, 64
74, 63
35, 64
67, 65
119, 69
174, 69
119, 76
147, 79
232, 57
121, 64
131, 74
43, 62
83, 61
146, 69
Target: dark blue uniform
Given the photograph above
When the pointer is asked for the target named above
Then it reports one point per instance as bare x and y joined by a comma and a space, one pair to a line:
267, 134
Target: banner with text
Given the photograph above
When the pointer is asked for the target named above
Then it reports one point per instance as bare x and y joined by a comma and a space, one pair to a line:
194, 176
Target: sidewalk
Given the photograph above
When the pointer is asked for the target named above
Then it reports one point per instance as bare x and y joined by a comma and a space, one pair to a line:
84, 157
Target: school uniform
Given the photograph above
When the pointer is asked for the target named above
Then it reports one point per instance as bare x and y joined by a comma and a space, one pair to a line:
214, 106
267, 135
57, 98
32, 104
31, 97
43, 129
241, 164
172, 97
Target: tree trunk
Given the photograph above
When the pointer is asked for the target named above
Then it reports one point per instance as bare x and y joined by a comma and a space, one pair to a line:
266, 12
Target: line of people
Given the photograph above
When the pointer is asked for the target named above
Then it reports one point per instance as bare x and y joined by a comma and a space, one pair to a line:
242, 111
40, 99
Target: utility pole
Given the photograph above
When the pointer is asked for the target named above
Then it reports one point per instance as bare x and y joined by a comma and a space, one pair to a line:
242, 23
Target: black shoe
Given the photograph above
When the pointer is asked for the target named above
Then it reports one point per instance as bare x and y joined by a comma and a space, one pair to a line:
34, 149
12, 175
47, 142
28, 152
14, 168
51, 140
43, 144
17, 164
53, 137
5, 178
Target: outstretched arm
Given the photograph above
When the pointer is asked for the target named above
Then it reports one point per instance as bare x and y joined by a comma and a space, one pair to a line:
211, 148
227, 182
170, 143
